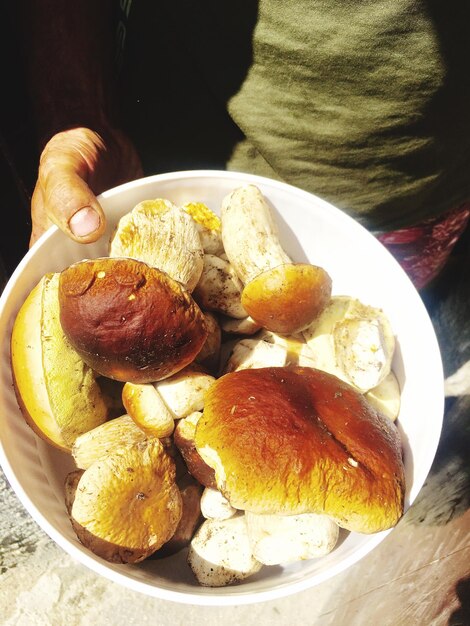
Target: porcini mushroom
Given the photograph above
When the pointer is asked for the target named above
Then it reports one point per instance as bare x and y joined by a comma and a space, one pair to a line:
127, 504
277, 539
129, 321
147, 409
57, 391
278, 294
220, 553
291, 440
105, 439
155, 406
163, 236
184, 392
353, 341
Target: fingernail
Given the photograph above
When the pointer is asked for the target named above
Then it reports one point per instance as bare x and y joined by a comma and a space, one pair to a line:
84, 222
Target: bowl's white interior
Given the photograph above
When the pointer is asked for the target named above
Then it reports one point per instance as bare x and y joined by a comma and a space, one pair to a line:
310, 229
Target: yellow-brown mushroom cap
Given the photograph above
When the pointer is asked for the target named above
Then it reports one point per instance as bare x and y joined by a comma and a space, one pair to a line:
289, 440
287, 298
127, 504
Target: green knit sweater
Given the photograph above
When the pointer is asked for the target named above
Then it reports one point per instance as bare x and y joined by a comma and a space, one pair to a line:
365, 103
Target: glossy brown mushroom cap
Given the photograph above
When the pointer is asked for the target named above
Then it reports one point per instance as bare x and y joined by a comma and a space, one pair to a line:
129, 321
290, 440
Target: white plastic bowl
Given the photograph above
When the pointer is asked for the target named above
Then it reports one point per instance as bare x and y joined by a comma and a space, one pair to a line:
310, 229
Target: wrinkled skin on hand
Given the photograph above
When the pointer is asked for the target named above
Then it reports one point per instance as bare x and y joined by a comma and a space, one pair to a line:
75, 166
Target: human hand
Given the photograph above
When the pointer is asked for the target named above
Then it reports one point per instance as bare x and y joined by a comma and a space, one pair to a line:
74, 167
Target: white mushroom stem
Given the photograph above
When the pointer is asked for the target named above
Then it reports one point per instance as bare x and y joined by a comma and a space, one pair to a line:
386, 397
295, 346
249, 233
278, 294
219, 288
146, 407
220, 553
246, 326
155, 406
353, 341
184, 392
254, 353
277, 539
214, 505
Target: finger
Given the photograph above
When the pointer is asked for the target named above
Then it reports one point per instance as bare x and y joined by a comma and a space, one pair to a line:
40, 221
71, 204
65, 165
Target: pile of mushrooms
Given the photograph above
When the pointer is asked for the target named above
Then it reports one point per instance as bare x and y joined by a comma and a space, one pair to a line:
260, 309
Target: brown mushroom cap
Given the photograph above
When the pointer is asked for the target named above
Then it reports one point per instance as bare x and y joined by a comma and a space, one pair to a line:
290, 440
129, 321
287, 298
127, 504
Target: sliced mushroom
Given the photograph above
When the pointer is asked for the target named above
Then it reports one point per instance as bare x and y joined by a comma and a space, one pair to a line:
163, 236
220, 553
277, 539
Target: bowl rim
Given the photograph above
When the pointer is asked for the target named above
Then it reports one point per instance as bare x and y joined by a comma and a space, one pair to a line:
205, 596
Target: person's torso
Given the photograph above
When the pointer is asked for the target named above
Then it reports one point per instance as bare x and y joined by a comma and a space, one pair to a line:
364, 103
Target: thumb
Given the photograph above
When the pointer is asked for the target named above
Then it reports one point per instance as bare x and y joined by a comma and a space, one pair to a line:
71, 205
